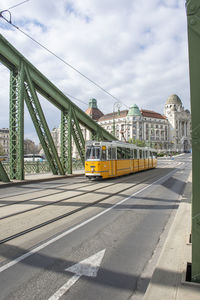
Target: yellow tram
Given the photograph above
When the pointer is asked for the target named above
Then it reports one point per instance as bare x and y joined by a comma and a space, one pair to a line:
112, 159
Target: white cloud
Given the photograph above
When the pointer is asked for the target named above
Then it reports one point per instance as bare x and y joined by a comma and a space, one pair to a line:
136, 50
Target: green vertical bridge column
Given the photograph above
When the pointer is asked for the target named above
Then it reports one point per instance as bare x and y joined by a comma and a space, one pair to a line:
17, 123
193, 18
66, 140
26, 84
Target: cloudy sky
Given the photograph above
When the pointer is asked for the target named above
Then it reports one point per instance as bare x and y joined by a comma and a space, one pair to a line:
135, 49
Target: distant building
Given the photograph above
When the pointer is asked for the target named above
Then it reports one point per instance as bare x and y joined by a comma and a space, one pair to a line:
4, 140
55, 133
93, 110
143, 125
170, 131
179, 124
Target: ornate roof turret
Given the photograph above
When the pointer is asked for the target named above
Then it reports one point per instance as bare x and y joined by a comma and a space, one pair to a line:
173, 99
93, 103
93, 110
134, 111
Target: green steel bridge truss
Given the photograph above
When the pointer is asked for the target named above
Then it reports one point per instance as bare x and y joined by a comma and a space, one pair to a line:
193, 18
26, 82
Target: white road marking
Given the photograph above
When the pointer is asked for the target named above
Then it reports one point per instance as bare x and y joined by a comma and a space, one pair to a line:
87, 267
53, 240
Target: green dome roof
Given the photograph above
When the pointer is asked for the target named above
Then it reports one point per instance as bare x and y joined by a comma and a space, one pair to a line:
93, 103
134, 111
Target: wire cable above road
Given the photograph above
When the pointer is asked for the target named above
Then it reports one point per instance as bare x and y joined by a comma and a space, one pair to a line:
58, 57
17, 5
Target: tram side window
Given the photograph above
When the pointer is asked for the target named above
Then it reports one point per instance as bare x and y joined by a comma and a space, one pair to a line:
123, 153
131, 153
135, 154
109, 153
103, 155
113, 156
154, 154
119, 153
150, 154
128, 153
93, 153
140, 154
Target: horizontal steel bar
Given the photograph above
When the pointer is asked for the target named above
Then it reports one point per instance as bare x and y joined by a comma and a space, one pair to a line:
11, 58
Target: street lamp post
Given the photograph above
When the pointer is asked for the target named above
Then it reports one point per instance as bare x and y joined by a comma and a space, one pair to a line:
115, 105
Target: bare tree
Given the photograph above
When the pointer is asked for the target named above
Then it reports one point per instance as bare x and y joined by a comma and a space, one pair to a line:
30, 147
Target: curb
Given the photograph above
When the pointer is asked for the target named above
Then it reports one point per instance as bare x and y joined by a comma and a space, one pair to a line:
166, 282
29, 181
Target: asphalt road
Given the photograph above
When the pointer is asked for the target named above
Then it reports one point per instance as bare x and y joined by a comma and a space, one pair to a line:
118, 235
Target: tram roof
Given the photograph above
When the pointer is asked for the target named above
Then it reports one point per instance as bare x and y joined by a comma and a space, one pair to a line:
119, 144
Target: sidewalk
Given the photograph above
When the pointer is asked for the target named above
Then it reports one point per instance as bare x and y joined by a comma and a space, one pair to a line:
40, 177
168, 280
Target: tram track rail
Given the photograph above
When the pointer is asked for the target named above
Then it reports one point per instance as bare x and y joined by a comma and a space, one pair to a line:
58, 201
74, 211
55, 202
38, 189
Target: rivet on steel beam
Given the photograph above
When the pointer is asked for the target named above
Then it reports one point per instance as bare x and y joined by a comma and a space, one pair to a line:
192, 7
192, 22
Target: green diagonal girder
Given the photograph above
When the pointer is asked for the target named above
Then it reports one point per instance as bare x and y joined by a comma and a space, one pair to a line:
11, 58
43, 124
40, 132
78, 137
3, 174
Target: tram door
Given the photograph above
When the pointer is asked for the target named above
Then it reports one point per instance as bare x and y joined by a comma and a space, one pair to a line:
111, 162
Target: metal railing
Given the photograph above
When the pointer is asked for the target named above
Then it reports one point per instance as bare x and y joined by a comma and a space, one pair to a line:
43, 167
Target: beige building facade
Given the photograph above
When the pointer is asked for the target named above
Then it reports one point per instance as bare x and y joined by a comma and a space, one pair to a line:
179, 121
4, 140
165, 132
141, 125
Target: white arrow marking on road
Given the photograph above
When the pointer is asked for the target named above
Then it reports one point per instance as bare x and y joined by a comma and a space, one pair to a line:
87, 267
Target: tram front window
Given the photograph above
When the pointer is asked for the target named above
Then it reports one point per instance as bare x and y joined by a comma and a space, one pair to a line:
93, 153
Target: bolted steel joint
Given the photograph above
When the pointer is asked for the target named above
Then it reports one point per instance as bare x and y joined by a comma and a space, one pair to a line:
193, 21
192, 6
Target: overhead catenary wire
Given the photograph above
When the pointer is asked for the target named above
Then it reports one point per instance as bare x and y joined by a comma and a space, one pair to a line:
81, 101
18, 4
58, 57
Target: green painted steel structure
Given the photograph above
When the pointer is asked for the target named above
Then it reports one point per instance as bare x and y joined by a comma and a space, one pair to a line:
26, 82
193, 17
3, 175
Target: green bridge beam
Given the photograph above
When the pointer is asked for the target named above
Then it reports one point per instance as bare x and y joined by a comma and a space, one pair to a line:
66, 140
39, 121
12, 58
3, 175
193, 18
25, 84
17, 123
